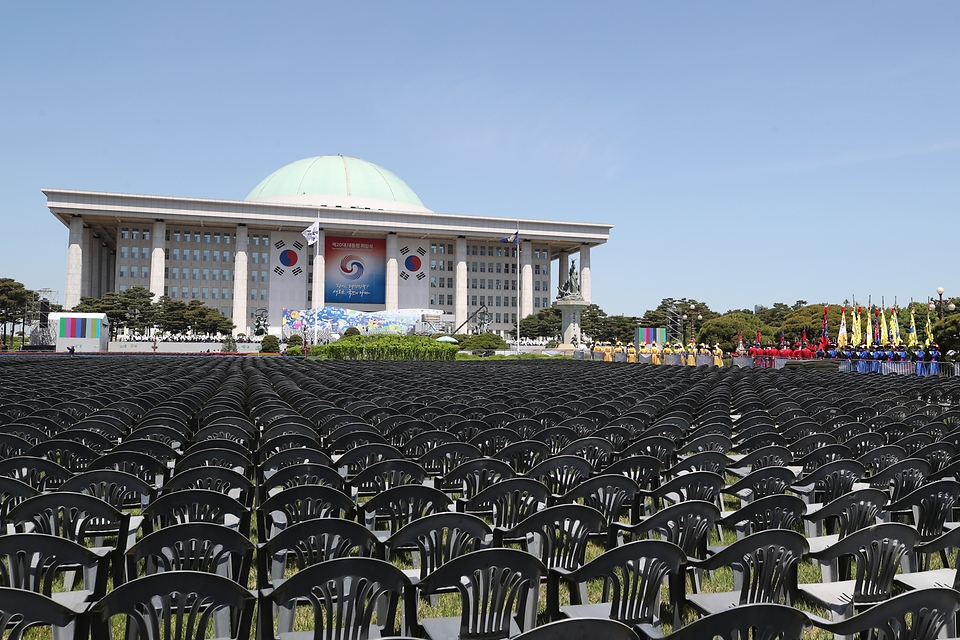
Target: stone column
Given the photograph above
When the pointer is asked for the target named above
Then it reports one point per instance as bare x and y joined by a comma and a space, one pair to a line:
526, 279
319, 271
392, 298
240, 282
105, 269
585, 288
460, 297
157, 261
563, 269
74, 287
89, 262
111, 269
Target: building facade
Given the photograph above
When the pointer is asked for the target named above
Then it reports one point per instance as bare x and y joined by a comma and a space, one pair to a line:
378, 248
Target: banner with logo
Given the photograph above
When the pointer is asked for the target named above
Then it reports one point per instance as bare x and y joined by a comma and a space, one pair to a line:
356, 270
414, 286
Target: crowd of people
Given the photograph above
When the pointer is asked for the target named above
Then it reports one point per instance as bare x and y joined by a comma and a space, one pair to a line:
654, 353
926, 360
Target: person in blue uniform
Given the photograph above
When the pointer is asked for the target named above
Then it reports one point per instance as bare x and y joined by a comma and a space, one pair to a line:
918, 359
863, 361
876, 357
933, 366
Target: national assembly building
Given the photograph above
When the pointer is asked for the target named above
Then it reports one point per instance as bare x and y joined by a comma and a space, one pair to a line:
378, 248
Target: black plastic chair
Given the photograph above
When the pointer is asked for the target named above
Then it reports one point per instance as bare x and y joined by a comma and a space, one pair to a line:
12, 493
509, 502
764, 568
122, 490
768, 481
195, 546
915, 615
498, 591
829, 482
772, 512
557, 535
749, 621
644, 470
401, 505
39, 473
561, 473
930, 506
438, 538
580, 629
633, 575
344, 595
311, 542
150, 469
218, 479
698, 485
300, 474
22, 612
196, 505
176, 604
387, 474
608, 494
473, 476
297, 504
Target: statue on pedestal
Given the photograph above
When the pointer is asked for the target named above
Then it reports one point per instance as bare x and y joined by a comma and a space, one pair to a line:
570, 290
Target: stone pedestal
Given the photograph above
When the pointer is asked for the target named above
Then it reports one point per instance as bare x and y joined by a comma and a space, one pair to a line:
570, 323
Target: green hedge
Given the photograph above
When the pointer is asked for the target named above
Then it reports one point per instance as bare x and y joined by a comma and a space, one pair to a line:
386, 347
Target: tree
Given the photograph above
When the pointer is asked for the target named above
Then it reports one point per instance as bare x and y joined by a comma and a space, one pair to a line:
811, 317
110, 304
545, 324
614, 328
202, 319
13, 303
295, 340
590, 320
725, 329
775, 315
172, 316
141, 312
946, 333
482, 342
270, 344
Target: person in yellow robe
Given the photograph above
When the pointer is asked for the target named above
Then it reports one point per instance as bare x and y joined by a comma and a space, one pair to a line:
655, 354
607, 352
692, 355
597, 350
667, 350
717, 355
631, 352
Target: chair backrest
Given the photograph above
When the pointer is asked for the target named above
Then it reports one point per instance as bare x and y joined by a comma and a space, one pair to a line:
12, 493
644, 470
38, 561
313, 541
344, 593
561, 473
74, 516
580, 629
196, 505
767, 481
21, 612
494, 585
404, 504
194, 546
174, 604
833, 479
473, 476
510, 501
306, 502
298, 474
122, 490
915, 615
562, 531
220, 479
767, 562
607, 494
388, 474
634, 572
440, 537
780, 511
767, 621
932, 504
39, 473
686, 525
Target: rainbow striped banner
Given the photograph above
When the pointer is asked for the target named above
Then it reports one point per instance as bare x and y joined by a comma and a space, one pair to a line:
650, 335
79, 327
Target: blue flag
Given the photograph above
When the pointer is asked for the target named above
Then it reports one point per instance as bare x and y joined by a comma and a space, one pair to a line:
513, 238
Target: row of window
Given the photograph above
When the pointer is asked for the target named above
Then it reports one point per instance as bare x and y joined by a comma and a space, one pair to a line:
489, 284
215, 238
494, 301
133, 271
199, 274
127, 233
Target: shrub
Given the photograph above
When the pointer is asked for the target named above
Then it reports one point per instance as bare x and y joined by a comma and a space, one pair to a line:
350, 332
229, 345
318, 350
295, 340
390, 347
483, 342
270, 344
295, 350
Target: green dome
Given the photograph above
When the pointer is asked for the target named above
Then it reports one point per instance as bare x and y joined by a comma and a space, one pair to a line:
338, 180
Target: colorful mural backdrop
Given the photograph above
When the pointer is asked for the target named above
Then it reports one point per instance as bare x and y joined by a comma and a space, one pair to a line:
356, 270
338, 319
79, 328
649, 335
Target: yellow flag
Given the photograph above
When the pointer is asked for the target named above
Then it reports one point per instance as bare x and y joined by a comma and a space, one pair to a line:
895, 327
857, 327
912, 334
869, 337
929, 339
842, 334
884, 333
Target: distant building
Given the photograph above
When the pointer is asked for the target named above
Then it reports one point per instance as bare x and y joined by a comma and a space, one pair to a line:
379, 248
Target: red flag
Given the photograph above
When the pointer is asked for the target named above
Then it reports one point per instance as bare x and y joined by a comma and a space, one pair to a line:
803, 341
758, 337
824, 336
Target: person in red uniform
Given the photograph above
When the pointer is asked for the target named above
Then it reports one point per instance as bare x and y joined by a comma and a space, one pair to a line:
807, 353
786, 351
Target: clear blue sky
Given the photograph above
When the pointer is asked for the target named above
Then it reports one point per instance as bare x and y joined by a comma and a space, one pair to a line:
747, 152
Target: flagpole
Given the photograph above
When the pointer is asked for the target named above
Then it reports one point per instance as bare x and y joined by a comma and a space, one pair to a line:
519, 285
316, 319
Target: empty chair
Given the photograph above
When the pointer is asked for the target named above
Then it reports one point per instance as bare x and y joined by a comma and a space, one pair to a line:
150, 469
697, 485
523, 455
829, 482
714, 461
762, 620
598, 452
926, 577
580, 629
386, 475
901, 478
310, 542
633, 575
557, 535
780, 511
438, 538
930, 506
39, 473
299, 474
296, 504
12, 493
915, 615
498, 591
509, 502
761, 483
401, 505
561, 473
686, 525
194, 546
22, 612
196, 505
644, 470
773, 456
609, 494
764, 567
877, 552
473, 476
122, 490
176, 604
219, 479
